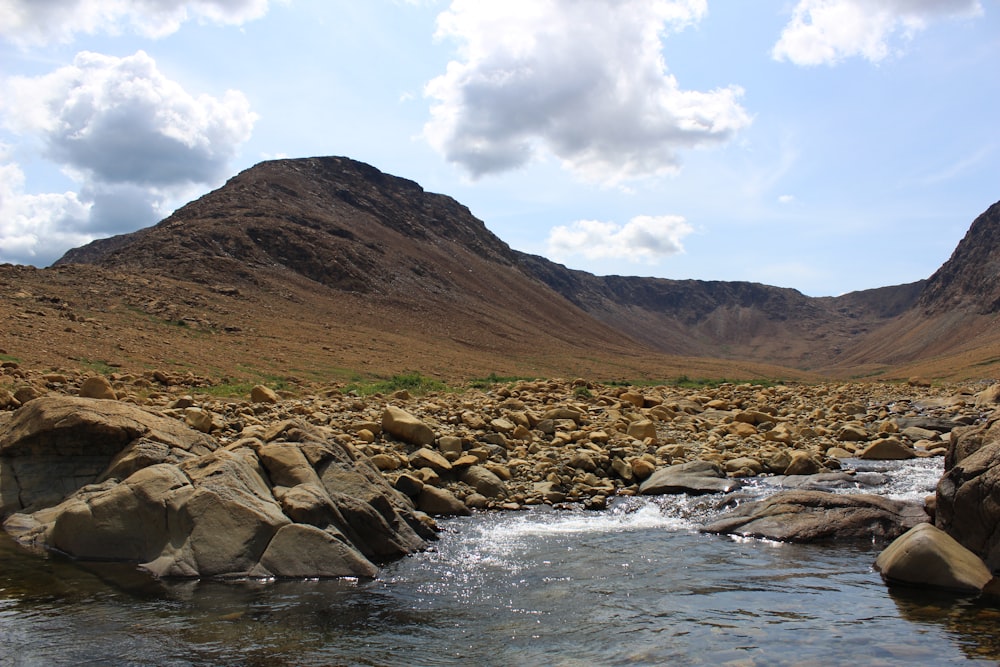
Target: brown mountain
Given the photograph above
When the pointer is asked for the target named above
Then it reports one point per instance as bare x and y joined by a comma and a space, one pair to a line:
343, 267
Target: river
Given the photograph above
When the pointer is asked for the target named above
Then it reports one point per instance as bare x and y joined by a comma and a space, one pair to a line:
633, 585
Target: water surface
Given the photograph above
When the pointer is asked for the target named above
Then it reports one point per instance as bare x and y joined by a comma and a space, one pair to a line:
636, 584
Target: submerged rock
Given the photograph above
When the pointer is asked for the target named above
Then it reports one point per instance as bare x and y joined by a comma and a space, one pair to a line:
807, 516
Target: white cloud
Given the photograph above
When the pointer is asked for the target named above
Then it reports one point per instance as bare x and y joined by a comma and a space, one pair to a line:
644, 238
119, 120
786, 199
36, 229
583, 80
137, 142
42, 21
829, 31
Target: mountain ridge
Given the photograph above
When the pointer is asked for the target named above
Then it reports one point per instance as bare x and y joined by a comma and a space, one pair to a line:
356, 231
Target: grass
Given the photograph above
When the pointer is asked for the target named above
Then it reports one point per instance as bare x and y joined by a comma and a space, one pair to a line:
101, 367
413, 382
493, 379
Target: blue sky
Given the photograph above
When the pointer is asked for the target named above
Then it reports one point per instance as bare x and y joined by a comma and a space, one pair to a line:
824, 145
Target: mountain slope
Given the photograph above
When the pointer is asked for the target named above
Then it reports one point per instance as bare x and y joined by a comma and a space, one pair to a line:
349, 239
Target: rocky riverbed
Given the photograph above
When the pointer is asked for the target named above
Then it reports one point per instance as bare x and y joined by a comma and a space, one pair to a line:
508, 446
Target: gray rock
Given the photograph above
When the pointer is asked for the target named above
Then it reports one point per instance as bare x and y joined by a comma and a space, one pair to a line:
695, 478
807, 516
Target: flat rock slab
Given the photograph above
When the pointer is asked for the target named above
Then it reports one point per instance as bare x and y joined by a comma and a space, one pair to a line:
808, 516
694, 478
827, 481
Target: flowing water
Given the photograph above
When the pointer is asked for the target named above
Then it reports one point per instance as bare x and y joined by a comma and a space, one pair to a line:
636, 584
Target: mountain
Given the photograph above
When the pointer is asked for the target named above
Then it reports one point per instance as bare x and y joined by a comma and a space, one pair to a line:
341, 238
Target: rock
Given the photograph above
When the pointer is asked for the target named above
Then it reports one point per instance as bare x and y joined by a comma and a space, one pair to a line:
401, 424
198, 419
852, 433
802, 463
886, 449
98, 386
989, 396
807, 516
696, 477
550, 492
7, 400
642, 468
780, 433
450, 445
300, 504
915, 433
744, 463
385, 461
26, 393
968, 494
409, 485
261, 394
300, 551
927, 556
428, 458
484, 482
440, 502
827, 481
54, 445
642, 429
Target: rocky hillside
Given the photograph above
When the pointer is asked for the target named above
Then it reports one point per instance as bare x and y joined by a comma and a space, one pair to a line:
386, 255
970, 279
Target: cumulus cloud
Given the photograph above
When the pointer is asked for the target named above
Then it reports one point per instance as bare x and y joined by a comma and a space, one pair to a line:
119, 120
38, 22
583, 80
135, 140
33, 228
829, 31
644, 238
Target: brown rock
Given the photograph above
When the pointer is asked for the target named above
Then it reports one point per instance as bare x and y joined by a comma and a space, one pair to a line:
408, 428
928, 556
261, 394
98, 386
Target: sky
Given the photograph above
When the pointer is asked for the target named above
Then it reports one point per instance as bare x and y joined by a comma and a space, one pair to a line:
823, 145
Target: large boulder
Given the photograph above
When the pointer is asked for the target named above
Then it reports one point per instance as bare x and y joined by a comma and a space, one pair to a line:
807, 516
928, 556
54, 445
968, 494
694, 478
139, 487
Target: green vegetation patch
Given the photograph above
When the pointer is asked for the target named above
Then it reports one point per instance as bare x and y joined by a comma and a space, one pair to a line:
413, 382
493, 379
102, 367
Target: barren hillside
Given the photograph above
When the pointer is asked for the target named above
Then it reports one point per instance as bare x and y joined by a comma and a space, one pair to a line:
327, 267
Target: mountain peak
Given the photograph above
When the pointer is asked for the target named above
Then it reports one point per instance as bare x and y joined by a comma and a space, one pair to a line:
970, 279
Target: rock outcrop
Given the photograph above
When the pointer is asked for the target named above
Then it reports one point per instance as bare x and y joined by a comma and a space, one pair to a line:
968, 495
102, 480
808, 516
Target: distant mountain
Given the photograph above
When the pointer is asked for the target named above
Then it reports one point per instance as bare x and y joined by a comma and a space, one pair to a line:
970, 279
352, 229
